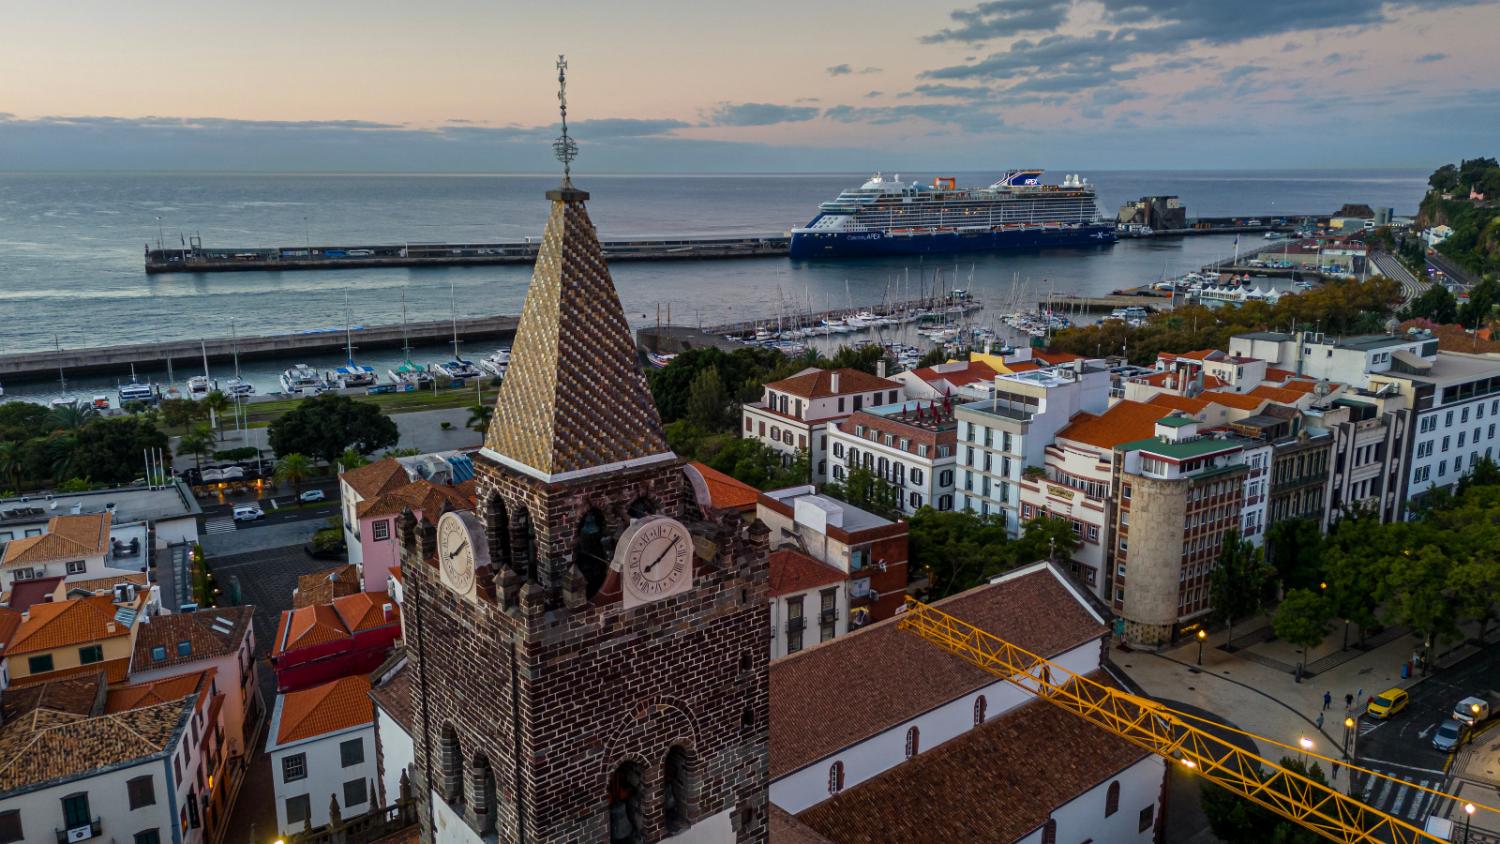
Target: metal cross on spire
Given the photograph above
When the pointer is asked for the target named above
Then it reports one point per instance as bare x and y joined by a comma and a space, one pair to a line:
565, 148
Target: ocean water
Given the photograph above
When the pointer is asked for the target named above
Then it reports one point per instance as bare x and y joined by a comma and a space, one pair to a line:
71, 246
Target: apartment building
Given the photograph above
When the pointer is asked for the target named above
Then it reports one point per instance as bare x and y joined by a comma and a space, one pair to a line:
911, 445
794, 414
809, 601
322, 748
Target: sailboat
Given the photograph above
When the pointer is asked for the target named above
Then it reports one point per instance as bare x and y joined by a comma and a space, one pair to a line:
136, 391
63, 400
352, 374
457, 367
199, 386
237, 386
408, 372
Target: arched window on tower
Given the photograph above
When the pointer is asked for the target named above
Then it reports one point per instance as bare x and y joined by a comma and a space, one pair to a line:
913, 741
589, 552
482, 794
980, 704
835, 777
642, 507
523, 544
450, 765
625, 819
678, 790
1112, 799
497, 530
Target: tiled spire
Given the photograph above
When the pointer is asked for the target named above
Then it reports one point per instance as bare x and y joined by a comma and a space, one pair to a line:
574, 400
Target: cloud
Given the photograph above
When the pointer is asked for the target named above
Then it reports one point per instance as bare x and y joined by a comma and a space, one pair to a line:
1002, 19
1234, 74
952, 115
872, 94
845, 70
625, 127
1429, 58
759, 114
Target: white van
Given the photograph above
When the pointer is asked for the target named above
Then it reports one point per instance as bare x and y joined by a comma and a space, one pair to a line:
248, 513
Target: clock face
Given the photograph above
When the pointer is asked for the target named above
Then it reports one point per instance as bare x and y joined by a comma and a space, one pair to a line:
655, 556
457, 541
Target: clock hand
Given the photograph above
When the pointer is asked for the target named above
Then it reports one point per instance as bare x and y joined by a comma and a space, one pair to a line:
662, 556
459, 549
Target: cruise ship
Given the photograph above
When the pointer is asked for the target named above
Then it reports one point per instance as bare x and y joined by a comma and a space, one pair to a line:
890, 217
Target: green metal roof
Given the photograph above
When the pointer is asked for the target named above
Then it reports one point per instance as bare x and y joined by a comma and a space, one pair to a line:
1180, 450
1176, 421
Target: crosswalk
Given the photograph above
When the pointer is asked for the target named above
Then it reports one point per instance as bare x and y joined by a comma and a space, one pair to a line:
219, 524
1403, 798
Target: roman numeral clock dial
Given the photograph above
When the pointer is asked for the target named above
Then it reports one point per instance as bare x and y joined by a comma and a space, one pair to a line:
655, 560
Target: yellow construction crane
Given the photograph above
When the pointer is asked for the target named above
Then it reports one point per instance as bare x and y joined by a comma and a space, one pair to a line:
1176, 736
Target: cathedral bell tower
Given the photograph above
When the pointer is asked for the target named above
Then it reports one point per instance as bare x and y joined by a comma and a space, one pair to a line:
589, 645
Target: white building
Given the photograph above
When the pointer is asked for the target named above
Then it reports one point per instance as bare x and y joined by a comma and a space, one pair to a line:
809, 602
911, 445
1000, 438
970, 379
794, 414
394, 751
322, 748
1436, 235
1348, 360
170, 511
882, 736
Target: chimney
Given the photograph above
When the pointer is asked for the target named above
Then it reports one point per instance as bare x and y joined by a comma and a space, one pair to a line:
389, 610
880, 367
25, 615
833, 382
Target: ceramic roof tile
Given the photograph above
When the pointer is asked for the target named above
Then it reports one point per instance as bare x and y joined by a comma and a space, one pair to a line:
959, 374
422, 496
80, 694
67, 538
321, 587
9, 620
364, 610
575, 397
1054, 358
210, 633
57, 624
113, 671
165, 690
998, 782
333, 706
1234, 400
372, 479
107, 584
1183, 403
724, 492
786, 829
814, 383
793, 571
46, 747
1285, 395
826, 698
1125, 422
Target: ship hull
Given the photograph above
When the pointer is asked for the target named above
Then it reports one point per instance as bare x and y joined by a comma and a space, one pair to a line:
873, 244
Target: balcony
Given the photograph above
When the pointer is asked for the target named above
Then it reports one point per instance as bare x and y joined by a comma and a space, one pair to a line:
828, 616
78, 833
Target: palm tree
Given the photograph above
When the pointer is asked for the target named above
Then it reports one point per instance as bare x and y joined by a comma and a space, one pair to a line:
293, 468
72, 417
216, 403
11, 461
479, 417
352, 459
198, 441
62, 454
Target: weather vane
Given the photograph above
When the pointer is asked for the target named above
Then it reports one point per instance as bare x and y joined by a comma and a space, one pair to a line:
565, 148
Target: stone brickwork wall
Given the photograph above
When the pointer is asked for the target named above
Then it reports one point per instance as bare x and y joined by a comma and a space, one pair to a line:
551, 691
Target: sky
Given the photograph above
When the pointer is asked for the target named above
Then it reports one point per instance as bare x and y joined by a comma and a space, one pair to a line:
669, 86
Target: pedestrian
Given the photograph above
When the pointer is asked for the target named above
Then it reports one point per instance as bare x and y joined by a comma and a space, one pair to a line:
1348, 702
1320, 720
1327, 699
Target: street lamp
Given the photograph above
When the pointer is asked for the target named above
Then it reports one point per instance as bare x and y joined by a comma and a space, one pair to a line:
1468, 816
1203, 634
1307, 745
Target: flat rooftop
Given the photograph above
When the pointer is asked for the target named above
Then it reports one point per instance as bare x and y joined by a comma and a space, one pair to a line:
1450, 368
132, 504
855, 519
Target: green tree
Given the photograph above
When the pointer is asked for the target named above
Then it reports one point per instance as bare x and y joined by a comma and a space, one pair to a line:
179, 413
479, 417
1475, 584
12, 463
216, 403
1301, 620
21, 420
199, 442
1480, 308
1235, 820
352, 459
868, 491
293, 468
1472, 170
957, 549
325, 426
1435, 304
1295, 549
72, 417
1237, 585
1418, 583
109, 451
708, 402
1044, 538
932, 357
1444, 179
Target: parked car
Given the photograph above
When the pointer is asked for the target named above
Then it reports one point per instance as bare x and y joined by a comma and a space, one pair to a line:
311, 496
248, 513
1450, 735
1388, 703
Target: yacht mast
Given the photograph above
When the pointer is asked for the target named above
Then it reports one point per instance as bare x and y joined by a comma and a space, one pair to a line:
61, 378
453, 304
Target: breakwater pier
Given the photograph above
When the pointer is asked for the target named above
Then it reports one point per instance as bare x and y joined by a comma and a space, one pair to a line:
104, 359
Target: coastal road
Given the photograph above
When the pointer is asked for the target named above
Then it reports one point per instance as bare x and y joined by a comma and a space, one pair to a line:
1402, 747
1391, 268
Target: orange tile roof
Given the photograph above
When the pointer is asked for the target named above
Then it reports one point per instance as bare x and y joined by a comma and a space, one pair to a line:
1278, 394
58, 624
1304, 386
209, 633
1213, 382
47, 747
1274, 374
1127, 421
137, 695
1054, 358
1176, 402
1197, 354
114, 670
960, 374
364, 610
1234, 400
793, 571
724, 492
9, 620
422, 496
67, 538
1023, 366
333, 706
818, 383
372, 479
107, 584
320, 587
320, 623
